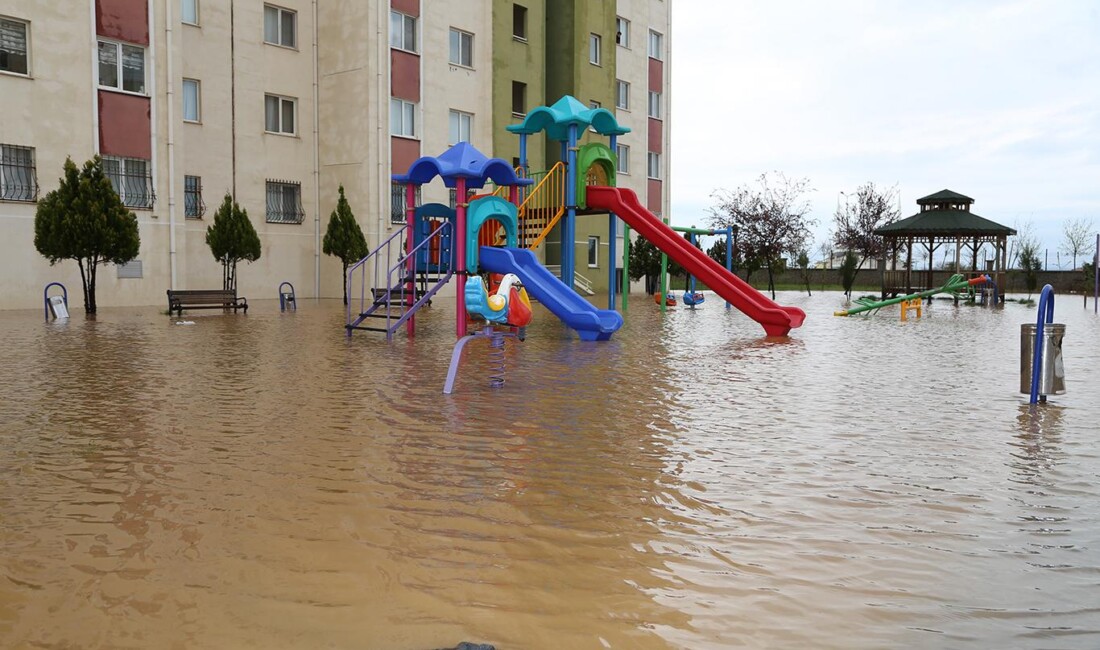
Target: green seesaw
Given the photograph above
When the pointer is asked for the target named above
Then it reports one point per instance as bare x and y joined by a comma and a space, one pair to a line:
955, 284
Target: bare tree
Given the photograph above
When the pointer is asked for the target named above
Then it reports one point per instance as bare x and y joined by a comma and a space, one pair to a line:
1077, 238
772, 216
1025, 234
861, 214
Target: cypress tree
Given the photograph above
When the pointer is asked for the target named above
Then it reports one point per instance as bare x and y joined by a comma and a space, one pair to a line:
344, 238
232, 238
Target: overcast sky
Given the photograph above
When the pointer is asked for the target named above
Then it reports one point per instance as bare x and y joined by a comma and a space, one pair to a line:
997, 100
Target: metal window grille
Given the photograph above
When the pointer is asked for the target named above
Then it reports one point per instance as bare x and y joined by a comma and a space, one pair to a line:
284, 202
132, 181
18, 180
193, 205
397, 202
13, 46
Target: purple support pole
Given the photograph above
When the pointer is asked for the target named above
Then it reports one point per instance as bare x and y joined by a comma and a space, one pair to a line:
1096, 275
460, 237
410, 263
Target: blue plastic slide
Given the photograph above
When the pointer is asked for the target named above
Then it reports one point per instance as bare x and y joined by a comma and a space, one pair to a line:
591, 324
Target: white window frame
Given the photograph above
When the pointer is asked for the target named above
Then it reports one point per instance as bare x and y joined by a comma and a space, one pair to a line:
282, 13
622, 32
193, 205
656, 45
281, 103
183, 15
622, 94
455, 129
654, 105
26, 45
397, 39
462, 36
124, 170
653, 165
594, 249
622, 158
276, 189
595, 49
198, 101
120, 48
18, 173
402, 110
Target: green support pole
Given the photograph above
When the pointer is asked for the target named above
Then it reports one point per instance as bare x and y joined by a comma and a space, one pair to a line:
664, 277
626, 264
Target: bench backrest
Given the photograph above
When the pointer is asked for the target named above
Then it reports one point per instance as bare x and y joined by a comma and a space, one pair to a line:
202, 295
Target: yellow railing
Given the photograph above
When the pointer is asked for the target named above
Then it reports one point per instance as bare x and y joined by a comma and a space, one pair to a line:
541, 205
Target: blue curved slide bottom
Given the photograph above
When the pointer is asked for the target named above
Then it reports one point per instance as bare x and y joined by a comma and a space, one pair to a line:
591, 324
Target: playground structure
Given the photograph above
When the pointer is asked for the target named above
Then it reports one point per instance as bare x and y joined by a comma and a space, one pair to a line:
691, 296
500, 232
955, 284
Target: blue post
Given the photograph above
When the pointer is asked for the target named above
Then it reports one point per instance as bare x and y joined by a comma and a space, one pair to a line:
1046, 315
523, 154
569, 228
46, 297
729, 254
691, 278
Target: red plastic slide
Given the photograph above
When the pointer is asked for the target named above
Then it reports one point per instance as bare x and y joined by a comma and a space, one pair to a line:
777, 320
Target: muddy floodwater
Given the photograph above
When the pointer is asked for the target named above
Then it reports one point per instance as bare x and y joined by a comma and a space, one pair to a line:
261, 481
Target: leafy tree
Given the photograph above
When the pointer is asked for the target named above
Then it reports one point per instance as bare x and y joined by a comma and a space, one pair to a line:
1030, 264
860, 216
344, 238
804, 269
232, 238
1077, 237
848, 269
772, 218
84, 220
717, 251
645, 261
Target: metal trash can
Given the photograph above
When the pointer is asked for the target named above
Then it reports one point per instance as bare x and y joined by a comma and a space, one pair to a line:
1052, 374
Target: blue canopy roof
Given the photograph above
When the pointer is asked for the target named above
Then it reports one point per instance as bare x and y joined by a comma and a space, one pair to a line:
461, 161
567, 111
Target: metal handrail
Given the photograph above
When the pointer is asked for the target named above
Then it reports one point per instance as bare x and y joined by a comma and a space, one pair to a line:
406, 279
360, 266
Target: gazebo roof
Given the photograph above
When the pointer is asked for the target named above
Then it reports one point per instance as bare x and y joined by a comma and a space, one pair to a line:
944, 196
944, 222
461, 161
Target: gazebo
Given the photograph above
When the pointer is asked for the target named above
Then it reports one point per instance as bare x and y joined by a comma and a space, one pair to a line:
944, 219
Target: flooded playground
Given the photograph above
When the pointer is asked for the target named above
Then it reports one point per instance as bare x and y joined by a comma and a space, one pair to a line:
262, 481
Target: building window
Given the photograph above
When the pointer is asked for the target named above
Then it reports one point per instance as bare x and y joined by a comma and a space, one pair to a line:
191, 101
193, 206
280, 26
462, 127
519, 22
402, 118
284, 202
655, 104
462, 48
622, 156
402, 31
280, 114
622, 32
594, 49
122, 67
654, 168
519, 98
622, 94
593, 251
14, 53
18, 180
189, 11
656, 45
397, 202
131, 180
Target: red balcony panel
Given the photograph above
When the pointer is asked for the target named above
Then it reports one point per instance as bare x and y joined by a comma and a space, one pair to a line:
123, 20
404, 76
124, 125
408, 7
653, 196
403, 153
656, 75
656, 136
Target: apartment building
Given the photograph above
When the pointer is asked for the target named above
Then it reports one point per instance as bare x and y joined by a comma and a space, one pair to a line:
279, 104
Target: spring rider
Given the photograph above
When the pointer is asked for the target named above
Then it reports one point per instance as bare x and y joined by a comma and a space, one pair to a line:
507, 306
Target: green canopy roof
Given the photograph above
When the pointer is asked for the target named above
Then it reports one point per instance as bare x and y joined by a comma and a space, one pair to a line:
944, 196
944, 222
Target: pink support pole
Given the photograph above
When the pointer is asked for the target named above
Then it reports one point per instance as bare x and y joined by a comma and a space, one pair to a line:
460, 256
410, 268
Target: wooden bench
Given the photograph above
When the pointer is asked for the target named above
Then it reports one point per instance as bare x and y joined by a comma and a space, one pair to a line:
205, 299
